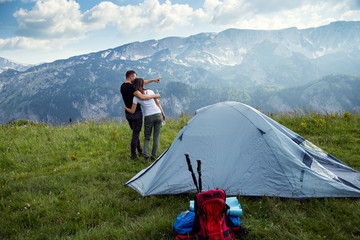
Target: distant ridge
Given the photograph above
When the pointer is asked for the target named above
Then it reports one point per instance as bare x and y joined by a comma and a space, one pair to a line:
6, 64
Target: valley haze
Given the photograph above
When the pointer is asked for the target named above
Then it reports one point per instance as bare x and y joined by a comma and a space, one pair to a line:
283, 70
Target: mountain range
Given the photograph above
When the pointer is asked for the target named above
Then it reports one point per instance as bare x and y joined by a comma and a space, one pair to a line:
274, 70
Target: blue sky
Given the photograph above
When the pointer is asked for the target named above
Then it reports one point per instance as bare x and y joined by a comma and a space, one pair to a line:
37, 31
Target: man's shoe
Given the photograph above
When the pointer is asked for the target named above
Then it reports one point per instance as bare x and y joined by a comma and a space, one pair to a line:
134, 157
153, 159
147, 159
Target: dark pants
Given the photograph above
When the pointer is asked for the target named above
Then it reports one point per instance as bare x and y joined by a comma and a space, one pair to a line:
135, 121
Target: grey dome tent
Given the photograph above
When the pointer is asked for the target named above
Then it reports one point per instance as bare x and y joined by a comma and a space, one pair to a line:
246, 153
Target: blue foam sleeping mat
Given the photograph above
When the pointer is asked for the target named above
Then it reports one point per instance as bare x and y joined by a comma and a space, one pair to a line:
232, 202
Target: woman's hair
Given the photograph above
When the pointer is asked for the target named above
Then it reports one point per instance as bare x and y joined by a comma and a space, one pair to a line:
139, 84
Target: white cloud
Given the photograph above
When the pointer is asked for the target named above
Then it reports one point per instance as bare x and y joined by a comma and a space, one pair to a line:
227, 11
269, 6
275, 14
147, 15
25, 43
50, 19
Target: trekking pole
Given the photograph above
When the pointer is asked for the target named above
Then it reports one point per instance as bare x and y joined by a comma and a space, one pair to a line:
199, 173
192, 171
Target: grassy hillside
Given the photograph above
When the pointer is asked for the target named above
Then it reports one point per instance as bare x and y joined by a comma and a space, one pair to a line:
66, 182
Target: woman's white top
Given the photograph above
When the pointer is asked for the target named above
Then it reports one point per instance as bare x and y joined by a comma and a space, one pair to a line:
149, 106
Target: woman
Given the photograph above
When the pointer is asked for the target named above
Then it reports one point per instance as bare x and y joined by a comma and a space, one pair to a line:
154, 115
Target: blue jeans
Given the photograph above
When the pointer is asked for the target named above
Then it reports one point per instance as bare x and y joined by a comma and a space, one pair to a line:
152, 122
135, 122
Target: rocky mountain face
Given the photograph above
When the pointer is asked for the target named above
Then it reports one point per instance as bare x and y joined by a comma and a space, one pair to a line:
276, 70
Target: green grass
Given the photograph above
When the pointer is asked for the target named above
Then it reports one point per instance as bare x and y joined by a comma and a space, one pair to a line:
66, 182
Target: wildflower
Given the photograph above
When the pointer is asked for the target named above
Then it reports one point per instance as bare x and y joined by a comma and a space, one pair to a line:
322, 120
182, 118
115, 132
320, 123
303, 125
74, 156
347, 115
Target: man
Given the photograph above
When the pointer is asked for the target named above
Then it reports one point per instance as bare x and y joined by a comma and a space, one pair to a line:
135, 120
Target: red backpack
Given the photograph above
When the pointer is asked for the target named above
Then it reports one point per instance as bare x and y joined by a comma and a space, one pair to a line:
210, 216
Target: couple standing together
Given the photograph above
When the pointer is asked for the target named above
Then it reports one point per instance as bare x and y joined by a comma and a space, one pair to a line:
134, 94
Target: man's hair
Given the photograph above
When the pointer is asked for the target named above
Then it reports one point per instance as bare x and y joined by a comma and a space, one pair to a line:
129, 73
